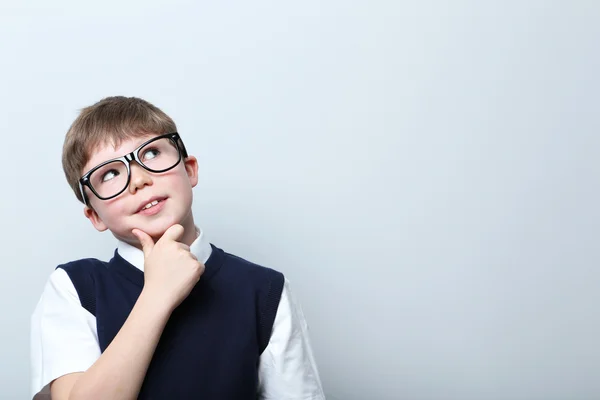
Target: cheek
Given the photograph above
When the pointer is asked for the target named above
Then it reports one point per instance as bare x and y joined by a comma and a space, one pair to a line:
112, 210
178, 182
181, 189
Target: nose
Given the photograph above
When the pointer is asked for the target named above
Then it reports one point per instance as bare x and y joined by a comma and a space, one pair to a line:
139, 178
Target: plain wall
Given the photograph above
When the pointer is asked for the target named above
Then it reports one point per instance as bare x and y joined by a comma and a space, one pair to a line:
425, 173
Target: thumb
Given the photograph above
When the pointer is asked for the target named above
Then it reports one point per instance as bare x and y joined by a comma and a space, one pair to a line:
145, 240
174, 232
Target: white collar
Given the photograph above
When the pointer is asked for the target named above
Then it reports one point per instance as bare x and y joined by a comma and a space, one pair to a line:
201, 248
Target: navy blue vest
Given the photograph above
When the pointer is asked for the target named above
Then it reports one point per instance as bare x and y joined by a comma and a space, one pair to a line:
211, 345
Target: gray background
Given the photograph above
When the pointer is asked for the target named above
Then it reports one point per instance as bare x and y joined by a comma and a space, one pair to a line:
425, 174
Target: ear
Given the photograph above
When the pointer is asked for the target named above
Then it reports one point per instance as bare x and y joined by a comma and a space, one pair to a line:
94, 218
191, 168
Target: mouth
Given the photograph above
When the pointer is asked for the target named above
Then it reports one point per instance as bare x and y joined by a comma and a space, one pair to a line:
151, 206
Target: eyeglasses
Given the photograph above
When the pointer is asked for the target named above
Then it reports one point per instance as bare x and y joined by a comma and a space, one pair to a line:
112, 177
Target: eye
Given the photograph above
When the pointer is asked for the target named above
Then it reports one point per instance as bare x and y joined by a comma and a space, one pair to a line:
150, 154
108, 175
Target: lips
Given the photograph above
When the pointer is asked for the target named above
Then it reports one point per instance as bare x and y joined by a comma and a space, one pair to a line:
144, 204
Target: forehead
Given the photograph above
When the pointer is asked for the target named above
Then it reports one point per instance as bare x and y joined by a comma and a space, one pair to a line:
110, 149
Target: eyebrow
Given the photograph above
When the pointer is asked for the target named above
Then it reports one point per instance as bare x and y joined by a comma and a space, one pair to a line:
114, 156
139, 141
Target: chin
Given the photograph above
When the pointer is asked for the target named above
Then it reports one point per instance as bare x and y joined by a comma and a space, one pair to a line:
159, 226
157, 230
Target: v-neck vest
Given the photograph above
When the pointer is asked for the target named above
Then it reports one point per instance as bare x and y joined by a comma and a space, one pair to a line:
211, 345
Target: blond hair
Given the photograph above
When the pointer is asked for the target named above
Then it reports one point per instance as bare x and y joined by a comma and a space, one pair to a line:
111, 120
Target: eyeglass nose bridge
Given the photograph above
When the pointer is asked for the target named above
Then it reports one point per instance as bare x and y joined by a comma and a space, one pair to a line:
130, 158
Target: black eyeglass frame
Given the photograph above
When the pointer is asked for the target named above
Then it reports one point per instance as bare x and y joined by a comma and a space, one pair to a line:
127, 159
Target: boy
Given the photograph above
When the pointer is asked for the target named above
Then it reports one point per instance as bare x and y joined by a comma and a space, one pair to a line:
170, 316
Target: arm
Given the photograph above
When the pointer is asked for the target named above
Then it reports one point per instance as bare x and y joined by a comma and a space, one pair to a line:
287, 368
120, 370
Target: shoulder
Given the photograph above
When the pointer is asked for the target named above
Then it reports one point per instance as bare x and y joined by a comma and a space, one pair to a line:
58, 286
85, 271
244, 265
58, 295
260, 275
241, 272
83, 264
83, 275
62, 286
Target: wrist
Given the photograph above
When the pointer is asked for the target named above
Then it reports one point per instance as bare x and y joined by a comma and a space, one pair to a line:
148, 300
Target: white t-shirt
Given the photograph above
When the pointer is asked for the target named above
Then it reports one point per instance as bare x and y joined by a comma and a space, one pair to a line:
64, 339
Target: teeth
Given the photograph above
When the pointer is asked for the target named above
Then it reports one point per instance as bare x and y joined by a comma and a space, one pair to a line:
147, 206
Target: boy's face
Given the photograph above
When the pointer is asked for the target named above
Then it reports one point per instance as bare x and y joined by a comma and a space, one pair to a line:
123, 213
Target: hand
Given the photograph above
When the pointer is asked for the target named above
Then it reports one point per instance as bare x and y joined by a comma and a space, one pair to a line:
170, 270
